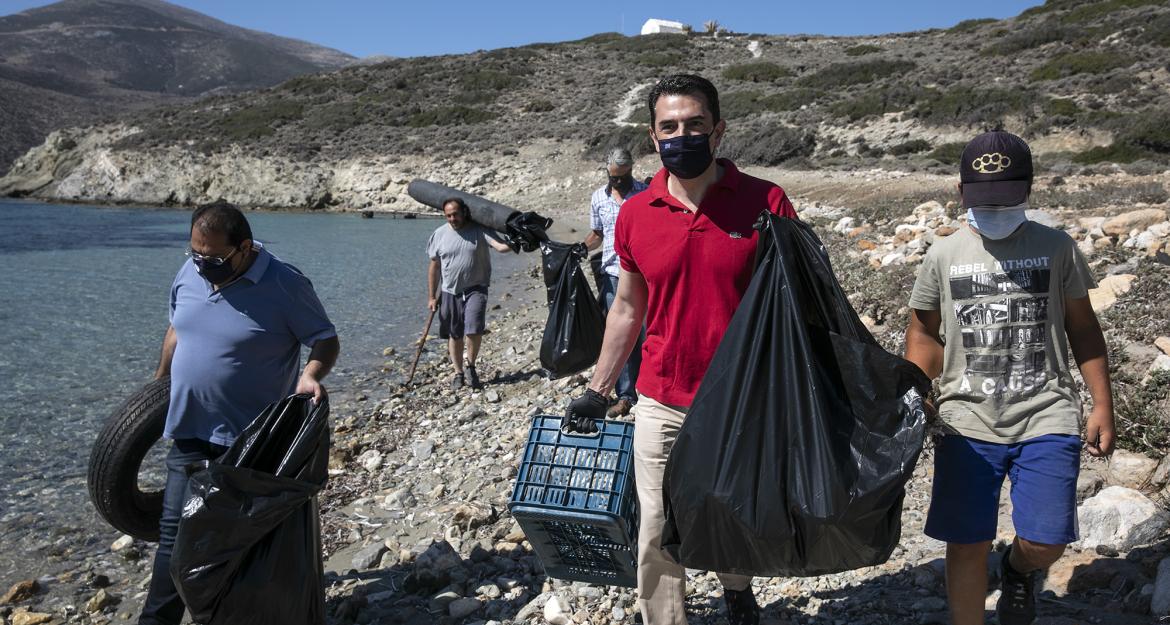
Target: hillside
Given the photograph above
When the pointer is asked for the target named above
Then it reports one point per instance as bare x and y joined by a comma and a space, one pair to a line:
78, 60
1085, 82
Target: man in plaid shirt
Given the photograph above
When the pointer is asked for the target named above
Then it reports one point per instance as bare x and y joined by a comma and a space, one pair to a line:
604, 207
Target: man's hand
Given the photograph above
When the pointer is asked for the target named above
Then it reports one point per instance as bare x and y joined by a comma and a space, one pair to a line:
1099, 432
307, 385
433, 304
583, 412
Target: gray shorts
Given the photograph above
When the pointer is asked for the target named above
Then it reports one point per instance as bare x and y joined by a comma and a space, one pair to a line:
464, 314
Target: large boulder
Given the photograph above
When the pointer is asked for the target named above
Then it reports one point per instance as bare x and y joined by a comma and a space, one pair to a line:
1121, 518
1130, 469
1109, 289
1124, 223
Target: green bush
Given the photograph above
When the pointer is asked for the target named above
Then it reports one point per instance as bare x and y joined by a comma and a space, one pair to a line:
1061, 106
862, 50
948, 153
636, 139
762, 71
1115, 153
1031, 38
968, 106
602, 38
489, 80
846, 74
967, 26
1073, 63
768, 146
659, 42
913, 146
309, 84
791, 99
259, 120
449, 116
658, 59
737, 104
538, 106
1157, 31
1141, 409
1089, 11
879, 102
337, 117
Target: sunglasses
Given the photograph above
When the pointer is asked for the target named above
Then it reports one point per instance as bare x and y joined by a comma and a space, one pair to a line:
209, 260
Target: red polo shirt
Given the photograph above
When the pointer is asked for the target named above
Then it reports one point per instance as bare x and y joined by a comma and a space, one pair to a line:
697, 267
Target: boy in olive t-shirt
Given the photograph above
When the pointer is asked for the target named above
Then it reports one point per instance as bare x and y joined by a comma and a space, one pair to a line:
995, 310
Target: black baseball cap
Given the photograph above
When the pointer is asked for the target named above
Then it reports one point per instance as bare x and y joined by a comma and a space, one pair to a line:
996, 170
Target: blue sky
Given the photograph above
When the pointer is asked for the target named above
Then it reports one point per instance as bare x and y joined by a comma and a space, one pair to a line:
365, 27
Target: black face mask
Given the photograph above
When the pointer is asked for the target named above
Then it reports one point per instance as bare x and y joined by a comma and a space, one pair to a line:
687, 156
622, 183
215, 274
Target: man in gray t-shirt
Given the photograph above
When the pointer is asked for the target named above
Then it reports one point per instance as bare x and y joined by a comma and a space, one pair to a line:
461, 265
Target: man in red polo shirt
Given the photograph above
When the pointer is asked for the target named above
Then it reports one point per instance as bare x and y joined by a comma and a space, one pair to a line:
687, 251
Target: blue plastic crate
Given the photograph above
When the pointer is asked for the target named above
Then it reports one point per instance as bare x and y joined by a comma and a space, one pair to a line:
575, 500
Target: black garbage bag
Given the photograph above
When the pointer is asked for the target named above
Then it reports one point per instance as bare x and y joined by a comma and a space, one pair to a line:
575, 326
527, 229
596, 271
249, 542
795, 453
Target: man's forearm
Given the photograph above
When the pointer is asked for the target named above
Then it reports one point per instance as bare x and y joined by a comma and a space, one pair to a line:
322, 358
167, 354
621, 334
433, 279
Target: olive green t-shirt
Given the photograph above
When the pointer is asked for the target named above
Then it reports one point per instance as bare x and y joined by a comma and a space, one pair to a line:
1005, 375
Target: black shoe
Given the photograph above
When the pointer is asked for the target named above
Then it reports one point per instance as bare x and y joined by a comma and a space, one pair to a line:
1017, 598
742, 608
473, 377
457, 381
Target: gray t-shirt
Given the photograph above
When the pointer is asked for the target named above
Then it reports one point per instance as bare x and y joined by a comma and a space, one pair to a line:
1005, 374
463, 255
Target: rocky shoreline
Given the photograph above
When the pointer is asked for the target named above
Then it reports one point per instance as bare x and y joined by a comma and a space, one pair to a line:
415, 519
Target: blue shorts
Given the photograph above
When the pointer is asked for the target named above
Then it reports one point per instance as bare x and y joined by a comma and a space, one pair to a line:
968, 475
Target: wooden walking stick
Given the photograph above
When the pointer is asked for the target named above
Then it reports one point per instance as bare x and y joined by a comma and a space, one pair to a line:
418, 353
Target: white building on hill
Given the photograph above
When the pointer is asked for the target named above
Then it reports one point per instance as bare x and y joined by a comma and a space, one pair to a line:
653, 26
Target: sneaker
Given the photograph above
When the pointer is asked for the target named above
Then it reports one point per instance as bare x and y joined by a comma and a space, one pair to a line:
620, 409
457, 381
742, 608
473, 377
1017, 598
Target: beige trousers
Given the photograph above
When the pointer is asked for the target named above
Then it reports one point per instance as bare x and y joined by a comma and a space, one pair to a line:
661, 581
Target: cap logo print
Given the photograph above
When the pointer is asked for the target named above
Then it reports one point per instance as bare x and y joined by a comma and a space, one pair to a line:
991, 163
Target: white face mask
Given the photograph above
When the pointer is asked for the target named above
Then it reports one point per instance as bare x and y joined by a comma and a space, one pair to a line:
997, 222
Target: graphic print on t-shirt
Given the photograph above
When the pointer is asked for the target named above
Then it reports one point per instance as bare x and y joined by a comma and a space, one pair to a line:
1002, 310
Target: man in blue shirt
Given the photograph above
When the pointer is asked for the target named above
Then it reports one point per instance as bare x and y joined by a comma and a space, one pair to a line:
239, 317
604, 206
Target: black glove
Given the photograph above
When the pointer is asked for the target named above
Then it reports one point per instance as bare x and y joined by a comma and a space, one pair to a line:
582, 412
580, 251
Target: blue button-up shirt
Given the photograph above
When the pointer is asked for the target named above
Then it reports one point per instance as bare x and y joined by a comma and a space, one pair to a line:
603, 214
238, 348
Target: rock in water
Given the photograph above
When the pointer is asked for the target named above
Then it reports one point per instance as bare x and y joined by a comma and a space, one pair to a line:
30, 618
20, 591
101, 601
368, 556
1120, 517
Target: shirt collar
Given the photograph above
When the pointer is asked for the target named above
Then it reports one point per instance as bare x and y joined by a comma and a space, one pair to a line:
659, 192
260, 265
